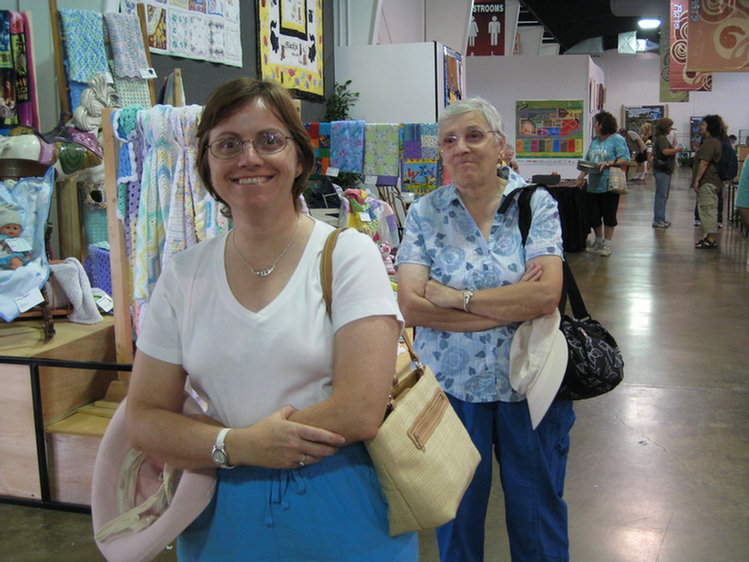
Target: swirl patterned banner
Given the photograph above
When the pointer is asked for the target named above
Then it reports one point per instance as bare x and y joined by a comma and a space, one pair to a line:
718, 36
666, 94
681, 79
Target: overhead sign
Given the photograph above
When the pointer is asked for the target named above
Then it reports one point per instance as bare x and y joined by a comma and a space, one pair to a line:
486, 33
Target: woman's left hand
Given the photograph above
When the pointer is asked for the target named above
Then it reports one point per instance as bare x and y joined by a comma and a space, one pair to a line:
442, 295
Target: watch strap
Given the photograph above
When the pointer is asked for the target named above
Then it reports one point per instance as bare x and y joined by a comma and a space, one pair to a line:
219, 446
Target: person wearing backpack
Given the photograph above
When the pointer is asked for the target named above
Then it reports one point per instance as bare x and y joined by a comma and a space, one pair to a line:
705, 179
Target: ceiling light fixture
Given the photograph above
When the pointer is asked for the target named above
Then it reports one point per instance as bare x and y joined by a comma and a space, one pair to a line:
649, 23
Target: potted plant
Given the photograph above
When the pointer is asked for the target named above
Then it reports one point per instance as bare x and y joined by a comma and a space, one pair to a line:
338, 105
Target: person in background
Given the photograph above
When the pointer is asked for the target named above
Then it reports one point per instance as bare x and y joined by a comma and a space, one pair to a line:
724, 129
508, 159
742, 196
664, 162
646, 133
607, 149
291, 391
706, 181
638, 151
466, 281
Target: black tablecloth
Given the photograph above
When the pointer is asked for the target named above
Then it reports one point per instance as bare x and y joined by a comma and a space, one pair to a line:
572, 215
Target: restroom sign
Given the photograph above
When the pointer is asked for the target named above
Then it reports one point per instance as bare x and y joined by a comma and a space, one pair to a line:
486, 32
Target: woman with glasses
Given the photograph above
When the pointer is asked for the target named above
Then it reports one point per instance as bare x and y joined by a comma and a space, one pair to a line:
466, 281
293, 391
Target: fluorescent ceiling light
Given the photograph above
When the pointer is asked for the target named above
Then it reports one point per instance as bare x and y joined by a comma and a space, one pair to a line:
649, 23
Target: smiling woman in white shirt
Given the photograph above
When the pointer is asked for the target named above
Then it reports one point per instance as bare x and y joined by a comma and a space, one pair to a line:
291, 391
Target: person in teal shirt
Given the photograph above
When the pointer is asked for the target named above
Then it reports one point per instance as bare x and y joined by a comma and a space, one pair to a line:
607, 149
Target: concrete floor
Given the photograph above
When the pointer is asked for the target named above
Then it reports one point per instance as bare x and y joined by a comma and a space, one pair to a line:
659, 468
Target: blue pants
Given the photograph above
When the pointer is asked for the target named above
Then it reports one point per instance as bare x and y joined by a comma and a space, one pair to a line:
532, 469
331, 511
662, 186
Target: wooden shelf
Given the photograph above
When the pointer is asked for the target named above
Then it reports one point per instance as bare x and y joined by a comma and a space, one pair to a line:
80, 424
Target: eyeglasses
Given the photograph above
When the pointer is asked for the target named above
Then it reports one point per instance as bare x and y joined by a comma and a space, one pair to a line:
472, 138
265, 143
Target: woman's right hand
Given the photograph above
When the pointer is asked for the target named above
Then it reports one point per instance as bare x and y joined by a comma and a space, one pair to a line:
533, 272
278, 442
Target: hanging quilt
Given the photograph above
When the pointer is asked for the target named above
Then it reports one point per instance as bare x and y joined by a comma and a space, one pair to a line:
347, 145
381, 149
194, 29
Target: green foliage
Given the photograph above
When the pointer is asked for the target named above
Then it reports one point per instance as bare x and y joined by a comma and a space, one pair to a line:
339, 104
348, 180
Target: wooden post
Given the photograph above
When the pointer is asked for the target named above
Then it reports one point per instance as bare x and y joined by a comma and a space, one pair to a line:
69, 223
179, 98
62, 80
144, 30
117, 249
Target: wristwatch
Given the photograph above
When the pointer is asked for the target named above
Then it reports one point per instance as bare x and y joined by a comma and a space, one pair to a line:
219, 454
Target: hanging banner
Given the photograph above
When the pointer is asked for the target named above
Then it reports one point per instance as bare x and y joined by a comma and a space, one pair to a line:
666, 94
680, 78
718, 36
486, 33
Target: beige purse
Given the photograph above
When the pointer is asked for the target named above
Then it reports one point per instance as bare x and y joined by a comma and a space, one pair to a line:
617, 180
422, 453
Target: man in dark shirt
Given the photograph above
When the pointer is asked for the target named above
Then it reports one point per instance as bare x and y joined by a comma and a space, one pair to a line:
705, 179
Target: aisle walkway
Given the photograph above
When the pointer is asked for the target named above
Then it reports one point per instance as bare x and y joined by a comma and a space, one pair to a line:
659, 468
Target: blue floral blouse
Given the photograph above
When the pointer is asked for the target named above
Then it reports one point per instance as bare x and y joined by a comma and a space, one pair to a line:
440, 234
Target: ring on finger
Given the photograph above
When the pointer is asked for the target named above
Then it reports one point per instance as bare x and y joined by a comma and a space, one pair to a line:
302, 461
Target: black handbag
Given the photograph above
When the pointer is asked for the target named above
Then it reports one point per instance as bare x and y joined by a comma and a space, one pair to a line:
594, 364
660, 162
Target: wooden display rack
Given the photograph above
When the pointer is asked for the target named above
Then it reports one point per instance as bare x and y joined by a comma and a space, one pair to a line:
47, 453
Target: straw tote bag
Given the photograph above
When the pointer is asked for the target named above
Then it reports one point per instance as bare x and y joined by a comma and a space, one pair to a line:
422, 453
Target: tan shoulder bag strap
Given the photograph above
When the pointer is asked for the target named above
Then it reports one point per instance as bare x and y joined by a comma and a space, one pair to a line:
326, 267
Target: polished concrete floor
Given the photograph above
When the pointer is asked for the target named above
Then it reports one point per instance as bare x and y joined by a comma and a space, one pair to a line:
659, 468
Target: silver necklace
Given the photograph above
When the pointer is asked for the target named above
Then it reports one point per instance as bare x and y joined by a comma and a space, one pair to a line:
266, 272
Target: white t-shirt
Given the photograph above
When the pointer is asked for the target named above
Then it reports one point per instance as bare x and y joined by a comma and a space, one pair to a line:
246, 364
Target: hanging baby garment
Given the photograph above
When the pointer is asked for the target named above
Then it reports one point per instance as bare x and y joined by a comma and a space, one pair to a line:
24, 206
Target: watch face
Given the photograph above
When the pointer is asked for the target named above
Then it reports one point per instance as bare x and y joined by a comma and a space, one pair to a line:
219, 457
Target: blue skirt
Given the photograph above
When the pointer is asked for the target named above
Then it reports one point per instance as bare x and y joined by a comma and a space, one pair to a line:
333, 510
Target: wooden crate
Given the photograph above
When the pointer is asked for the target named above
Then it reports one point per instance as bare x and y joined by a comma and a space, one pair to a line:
71, 450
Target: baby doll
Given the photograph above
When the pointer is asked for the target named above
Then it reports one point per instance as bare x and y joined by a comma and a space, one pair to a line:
11, 254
